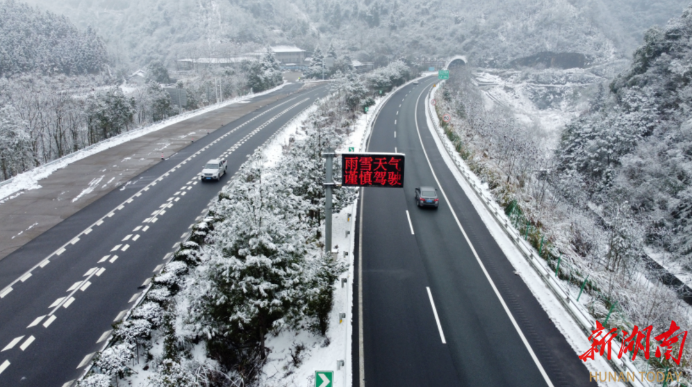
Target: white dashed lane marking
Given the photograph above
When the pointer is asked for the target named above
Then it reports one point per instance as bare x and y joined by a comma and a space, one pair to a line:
104, 336
36, 321
4, 366
27, 343
86, 360
12, 343
49, 321
120, 316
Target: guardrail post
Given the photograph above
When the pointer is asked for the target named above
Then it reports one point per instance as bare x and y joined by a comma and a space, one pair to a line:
557, 268
609, 312
582, 287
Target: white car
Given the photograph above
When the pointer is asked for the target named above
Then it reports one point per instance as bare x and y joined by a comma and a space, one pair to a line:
214, 169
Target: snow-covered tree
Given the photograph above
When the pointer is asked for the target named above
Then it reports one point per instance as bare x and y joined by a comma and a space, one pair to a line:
317, 66
264, 74
109, 114
15, 143
115, 361
95, 380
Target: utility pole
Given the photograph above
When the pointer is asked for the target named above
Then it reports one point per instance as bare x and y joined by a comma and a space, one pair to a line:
328, 186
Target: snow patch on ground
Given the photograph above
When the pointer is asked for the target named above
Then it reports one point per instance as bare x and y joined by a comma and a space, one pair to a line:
560, 98
92, 185
29, 179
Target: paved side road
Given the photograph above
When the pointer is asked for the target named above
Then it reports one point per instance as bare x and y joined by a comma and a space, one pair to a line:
70, 189
61, 292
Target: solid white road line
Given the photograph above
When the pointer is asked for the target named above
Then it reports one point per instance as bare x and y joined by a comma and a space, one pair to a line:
36, 321
86, 360
409, 222
12, 343
437, 319
4, 366
27, 343
49, 321
478, 259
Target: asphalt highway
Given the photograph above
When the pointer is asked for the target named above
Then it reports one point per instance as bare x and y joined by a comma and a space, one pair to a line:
441, 305
60, 293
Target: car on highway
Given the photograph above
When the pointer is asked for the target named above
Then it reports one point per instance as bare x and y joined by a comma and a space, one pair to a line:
427, 197
214, 169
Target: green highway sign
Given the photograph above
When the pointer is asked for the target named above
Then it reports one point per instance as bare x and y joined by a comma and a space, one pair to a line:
350, 149
324, 378
443, 74
366, 109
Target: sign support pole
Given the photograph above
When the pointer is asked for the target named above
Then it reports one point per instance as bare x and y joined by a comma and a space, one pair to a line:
328, 186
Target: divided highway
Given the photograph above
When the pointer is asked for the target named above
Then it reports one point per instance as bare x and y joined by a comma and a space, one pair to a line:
441, 303
60, 293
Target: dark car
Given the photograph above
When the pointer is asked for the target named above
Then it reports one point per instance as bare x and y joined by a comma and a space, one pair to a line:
427, 197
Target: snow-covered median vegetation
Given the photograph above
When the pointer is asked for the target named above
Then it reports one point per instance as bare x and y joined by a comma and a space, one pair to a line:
254, 267
617, 185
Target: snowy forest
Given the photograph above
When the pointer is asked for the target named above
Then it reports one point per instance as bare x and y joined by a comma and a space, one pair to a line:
613, 195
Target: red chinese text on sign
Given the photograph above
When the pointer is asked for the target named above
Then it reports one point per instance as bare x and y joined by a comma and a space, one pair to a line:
373, 170
601, 342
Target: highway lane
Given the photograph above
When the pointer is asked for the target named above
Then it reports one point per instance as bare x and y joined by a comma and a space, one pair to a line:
408, 267
54, 315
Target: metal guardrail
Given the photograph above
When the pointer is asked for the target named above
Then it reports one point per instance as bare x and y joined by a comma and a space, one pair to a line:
585, 321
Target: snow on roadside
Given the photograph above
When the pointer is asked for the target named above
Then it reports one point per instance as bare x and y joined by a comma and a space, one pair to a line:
555, 310
29, 180
280, 367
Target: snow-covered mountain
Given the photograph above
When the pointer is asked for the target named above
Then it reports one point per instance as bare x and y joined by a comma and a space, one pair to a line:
635, 142
491, 32
34, 40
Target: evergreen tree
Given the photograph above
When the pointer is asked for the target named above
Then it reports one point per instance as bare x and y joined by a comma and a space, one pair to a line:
317, 66
15, 143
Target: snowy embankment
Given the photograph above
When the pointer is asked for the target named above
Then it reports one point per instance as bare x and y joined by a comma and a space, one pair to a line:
555, 296
30, 179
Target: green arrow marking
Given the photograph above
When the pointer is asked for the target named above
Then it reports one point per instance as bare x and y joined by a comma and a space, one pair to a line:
324, 378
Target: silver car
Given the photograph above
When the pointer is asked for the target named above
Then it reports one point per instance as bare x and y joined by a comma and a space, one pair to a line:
427, 197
